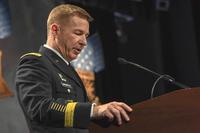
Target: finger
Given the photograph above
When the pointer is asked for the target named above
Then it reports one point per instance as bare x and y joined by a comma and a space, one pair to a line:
108, 115
124, 106
116, 114
123, 113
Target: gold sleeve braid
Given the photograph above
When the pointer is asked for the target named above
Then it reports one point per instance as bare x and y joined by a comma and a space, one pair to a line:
58, 107
69, 114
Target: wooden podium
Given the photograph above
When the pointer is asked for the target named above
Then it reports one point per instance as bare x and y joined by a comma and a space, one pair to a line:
175, 112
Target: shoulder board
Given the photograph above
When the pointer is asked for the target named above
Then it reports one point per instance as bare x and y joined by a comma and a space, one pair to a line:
31, 54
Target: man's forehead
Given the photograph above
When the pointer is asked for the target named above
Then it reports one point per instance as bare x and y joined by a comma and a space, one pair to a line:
78, 20
78, 23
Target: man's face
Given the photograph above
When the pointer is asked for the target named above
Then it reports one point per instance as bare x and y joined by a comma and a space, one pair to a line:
73, 37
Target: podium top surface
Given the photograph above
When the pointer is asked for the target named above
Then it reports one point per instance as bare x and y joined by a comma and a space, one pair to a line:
175, 112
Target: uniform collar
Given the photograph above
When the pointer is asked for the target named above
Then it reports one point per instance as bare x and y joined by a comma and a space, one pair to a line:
57, 53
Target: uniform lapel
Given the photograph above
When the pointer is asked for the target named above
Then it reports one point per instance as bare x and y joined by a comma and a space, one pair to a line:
60, 64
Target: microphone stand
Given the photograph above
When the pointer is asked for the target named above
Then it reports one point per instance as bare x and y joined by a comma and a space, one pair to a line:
160, 76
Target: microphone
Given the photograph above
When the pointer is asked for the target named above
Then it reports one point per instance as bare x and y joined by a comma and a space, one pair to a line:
160, 76
124, 61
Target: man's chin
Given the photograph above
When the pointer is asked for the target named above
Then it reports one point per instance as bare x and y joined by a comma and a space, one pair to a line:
73, 57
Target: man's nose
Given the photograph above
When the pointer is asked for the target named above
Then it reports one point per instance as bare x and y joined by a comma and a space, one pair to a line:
84, 40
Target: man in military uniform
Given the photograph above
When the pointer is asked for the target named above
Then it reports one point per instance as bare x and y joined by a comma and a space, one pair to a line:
50, 91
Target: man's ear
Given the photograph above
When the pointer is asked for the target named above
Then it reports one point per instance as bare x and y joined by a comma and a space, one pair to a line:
54, 29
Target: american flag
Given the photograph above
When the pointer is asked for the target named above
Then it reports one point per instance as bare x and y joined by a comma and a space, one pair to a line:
90, 61
5, 23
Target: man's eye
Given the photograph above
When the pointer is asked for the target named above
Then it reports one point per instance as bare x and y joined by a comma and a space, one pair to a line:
78, 33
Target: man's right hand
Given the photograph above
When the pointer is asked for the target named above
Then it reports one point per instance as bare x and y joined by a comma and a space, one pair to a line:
112, 111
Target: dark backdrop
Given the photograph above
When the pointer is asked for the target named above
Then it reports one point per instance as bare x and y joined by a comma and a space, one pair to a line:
164, 40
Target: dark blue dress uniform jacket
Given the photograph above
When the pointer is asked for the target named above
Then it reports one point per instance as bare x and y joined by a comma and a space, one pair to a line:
51, 94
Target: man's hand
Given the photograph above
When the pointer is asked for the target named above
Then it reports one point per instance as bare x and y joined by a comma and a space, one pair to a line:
112, 111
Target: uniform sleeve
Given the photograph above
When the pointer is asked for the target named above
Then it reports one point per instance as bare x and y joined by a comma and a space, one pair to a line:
34, 89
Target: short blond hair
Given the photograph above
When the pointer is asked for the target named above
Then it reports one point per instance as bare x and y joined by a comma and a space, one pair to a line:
64, 11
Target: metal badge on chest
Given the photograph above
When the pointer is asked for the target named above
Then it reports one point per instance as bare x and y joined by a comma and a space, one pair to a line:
64, 84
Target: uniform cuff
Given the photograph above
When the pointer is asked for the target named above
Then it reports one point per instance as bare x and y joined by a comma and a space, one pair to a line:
92, 109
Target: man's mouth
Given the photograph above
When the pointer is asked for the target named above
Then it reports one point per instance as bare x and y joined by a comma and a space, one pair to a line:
77, 50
